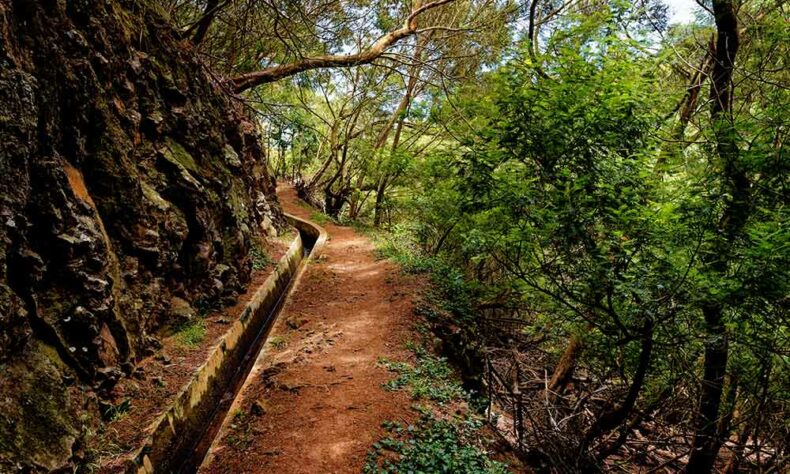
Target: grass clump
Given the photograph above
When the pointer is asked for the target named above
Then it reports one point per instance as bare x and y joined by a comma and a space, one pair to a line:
432, 445
192, 333
278, 342
321, 218
120, 411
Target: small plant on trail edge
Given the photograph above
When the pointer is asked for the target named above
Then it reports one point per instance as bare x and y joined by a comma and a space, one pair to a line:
260, 259
192, 333
239, 416
432, 446
119, 411
321, 218
438, 442
429, 378
239, 436
278, 342
91, 459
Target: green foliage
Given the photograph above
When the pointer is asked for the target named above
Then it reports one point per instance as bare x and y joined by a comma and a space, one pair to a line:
567, 193
429, 378
240, 435
239, 415
437, 442
119, 411
321, 218
191, 333
398, 245
278, 342
260, 259
432, 446
450, 290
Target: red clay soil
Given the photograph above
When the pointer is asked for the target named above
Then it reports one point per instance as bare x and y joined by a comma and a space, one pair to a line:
315, 402
161, 376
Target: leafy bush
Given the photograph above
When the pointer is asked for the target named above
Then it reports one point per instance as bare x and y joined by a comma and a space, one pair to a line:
430, 378
432, 446
450, 290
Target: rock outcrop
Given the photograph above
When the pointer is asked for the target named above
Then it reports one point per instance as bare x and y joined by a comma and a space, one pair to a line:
131, 190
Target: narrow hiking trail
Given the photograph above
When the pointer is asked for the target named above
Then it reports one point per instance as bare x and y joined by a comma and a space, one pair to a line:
314, 402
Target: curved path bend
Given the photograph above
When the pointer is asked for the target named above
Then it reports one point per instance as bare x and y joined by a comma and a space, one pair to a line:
314, 402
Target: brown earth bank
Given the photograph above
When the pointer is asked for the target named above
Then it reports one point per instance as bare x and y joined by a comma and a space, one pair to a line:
315, 402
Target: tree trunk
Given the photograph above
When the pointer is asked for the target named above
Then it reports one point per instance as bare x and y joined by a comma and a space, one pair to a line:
442, 239
692, 93
686, 110
725, 420
398, 118
618, 415
378, 208
565, 368
706, 440
204, 23
735, 184
333, 136
648, 411
733, 464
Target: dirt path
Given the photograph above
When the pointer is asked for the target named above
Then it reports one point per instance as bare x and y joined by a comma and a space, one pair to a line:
314, 403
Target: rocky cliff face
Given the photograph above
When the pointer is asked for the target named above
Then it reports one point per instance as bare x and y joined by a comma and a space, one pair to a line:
131, 190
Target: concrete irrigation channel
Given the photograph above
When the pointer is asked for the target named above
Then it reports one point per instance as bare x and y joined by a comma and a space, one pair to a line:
184, 433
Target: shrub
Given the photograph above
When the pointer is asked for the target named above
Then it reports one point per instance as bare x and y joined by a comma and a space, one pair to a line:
433, 446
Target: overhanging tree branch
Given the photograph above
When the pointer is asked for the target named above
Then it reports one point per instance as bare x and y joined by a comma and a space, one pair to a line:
201, 26
275, 73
